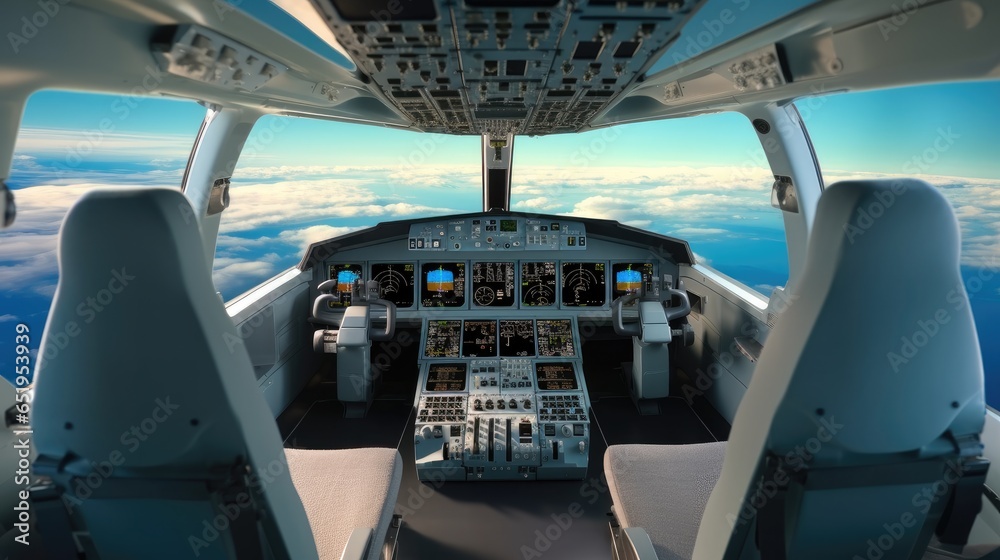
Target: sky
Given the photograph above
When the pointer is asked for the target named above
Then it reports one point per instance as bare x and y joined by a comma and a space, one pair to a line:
703, 179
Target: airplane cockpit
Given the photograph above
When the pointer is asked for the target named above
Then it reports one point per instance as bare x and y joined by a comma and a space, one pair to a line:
500, 301
504, 381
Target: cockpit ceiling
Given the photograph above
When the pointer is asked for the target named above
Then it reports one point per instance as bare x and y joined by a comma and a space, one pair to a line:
505, 66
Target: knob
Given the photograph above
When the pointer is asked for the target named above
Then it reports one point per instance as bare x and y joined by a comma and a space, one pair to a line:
427, 432
583, 446
513, 403
567, 430
489, 404
527, 403
501, 404
477, 404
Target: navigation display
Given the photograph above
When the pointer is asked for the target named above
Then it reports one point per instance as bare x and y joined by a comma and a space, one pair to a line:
446, 377
555, 337
538, 283
517, 337
395, 282
479, 339
442, 285
345, 274
493, 284
583, 284
628, 277
443, 339
555, 376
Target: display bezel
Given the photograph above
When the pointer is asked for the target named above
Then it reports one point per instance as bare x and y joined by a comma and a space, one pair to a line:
562, 284
330, 272
613, 283
465, 286
413, 285
496, 339
433, 365
515, 296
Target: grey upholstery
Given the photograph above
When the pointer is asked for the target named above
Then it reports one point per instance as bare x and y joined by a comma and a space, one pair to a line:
142, 368
663, 489
836, 376
345, 489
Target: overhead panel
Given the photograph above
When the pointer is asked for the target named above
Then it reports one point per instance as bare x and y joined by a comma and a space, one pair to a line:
504, 67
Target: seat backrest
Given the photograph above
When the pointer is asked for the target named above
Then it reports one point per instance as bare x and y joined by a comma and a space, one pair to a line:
143, 377
873, 367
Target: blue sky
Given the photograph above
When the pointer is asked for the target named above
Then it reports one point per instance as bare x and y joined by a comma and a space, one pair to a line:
698, 178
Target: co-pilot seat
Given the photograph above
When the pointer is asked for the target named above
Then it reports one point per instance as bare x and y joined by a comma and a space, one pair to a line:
148, 419
868, 392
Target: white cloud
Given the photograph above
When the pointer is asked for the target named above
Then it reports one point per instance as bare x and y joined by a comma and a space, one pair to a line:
694, 231
306, 236
230, 272
7, 318
72, 146
263, 204
540, 204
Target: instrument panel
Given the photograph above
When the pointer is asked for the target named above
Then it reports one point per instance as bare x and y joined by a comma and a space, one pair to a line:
509, 284
506, 338
501, 399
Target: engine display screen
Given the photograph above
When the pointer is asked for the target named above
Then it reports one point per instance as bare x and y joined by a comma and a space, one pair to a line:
479, 339
446, 377
555, 337
493, 284
517, 337
395, 282
555, 376
584, 284
508, 226
345, 275
443, 339
538, 283
442, 284
628, 277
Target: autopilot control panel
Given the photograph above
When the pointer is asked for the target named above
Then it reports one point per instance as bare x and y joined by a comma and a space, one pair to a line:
501, 399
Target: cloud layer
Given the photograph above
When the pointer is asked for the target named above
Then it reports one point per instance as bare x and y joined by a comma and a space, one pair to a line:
277, 212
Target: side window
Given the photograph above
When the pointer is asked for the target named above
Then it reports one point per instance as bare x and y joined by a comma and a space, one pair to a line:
945, 134
703, 179
299, 181
68, 144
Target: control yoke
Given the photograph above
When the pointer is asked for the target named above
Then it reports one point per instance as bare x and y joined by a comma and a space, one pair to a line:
651, 335
368, 295
360, 296
648, 292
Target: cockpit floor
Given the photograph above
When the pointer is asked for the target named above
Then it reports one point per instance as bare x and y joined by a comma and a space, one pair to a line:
501, 520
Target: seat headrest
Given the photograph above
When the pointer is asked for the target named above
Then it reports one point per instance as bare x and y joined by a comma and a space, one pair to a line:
880, 337
136, 338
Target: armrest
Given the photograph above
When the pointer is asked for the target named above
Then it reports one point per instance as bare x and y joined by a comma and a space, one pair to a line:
637, 544
357, 545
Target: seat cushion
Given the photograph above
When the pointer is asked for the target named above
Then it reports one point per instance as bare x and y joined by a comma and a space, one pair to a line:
345, 489
664, 489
